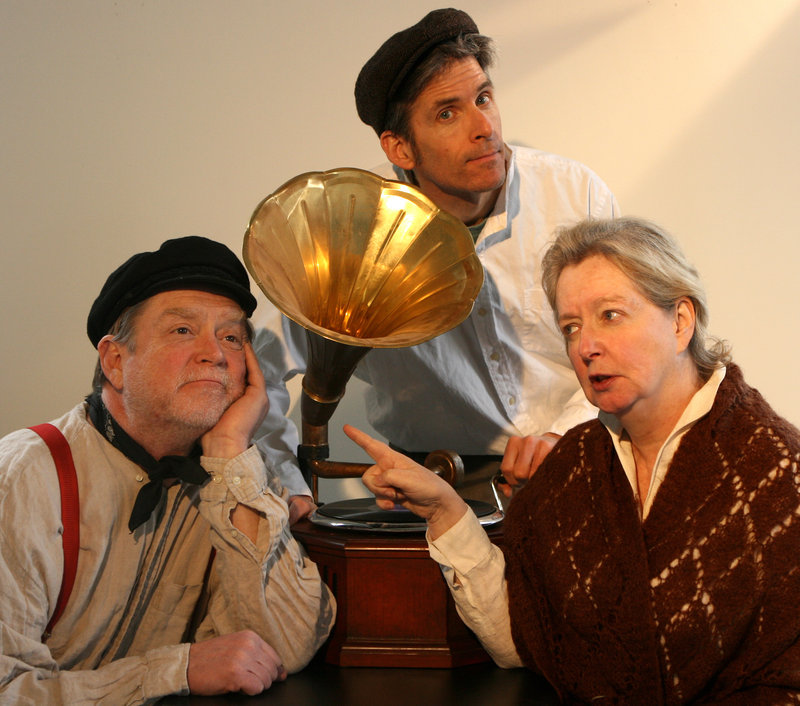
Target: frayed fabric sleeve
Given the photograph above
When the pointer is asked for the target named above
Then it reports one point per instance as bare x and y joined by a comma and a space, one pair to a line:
270, 586
474, 569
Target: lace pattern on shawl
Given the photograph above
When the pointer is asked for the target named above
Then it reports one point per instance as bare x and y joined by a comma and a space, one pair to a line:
700, 599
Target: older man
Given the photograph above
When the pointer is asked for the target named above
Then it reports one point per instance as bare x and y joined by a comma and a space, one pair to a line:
187, 579
499, 383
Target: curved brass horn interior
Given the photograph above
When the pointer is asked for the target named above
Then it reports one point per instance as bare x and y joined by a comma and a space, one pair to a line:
360, 263
362, 260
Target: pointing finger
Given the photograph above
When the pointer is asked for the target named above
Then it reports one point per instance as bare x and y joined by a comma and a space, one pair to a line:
376, 449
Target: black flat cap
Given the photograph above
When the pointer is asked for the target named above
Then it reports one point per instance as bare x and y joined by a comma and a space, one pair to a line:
384, 73
192, 262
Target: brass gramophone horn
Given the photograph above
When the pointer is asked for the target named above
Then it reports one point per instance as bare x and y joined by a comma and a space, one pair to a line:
360, 262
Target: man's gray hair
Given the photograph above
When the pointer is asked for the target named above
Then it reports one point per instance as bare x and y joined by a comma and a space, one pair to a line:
123, 332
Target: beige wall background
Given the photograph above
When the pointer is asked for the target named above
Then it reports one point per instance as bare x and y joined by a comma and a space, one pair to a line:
125, 123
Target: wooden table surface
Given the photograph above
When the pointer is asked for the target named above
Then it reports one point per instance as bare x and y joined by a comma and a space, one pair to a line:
322, 684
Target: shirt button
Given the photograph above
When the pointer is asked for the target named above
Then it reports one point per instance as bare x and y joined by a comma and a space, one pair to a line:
495, 357
236, 480
512, 401
482, 311
140, 478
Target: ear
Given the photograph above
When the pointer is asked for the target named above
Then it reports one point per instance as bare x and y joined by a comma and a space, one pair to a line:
398, 150
685, 320
111, 358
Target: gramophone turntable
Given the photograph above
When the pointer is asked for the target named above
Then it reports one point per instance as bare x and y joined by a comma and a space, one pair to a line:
361, 262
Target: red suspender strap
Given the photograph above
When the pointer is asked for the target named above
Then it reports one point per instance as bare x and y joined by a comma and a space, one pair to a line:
70, 511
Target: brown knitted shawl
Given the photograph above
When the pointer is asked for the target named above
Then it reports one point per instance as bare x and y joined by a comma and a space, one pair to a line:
698, 604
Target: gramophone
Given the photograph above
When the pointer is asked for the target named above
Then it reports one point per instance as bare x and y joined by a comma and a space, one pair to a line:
360, 263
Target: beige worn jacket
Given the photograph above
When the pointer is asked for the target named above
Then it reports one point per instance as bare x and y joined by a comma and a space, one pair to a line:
123, 638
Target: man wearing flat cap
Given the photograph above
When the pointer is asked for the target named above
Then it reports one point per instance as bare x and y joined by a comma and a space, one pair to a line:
499, 383
144, 544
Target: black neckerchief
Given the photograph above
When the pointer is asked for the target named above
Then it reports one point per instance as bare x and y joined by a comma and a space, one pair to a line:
185, 468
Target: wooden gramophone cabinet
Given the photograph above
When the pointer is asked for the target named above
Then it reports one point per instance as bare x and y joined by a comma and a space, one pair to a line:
394, 607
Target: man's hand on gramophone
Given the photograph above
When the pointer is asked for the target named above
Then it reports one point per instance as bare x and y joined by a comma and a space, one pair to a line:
522, 457
300, 506
396, 479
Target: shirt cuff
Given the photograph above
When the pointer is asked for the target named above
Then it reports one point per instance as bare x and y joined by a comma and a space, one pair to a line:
166, 671
463, 546
245, 476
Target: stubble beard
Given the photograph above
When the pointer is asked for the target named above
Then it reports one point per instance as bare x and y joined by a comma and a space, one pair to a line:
470, 183
182, 414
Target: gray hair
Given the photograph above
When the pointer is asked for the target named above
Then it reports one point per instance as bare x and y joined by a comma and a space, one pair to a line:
464, 46
652, 260
123, 332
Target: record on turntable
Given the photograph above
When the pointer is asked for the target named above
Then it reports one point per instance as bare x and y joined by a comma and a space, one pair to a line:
363, 514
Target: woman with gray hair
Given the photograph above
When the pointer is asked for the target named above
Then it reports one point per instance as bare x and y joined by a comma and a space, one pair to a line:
653, 557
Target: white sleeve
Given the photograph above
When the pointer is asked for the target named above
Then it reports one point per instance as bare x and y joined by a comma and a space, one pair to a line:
130, 680
474, 569
277, 436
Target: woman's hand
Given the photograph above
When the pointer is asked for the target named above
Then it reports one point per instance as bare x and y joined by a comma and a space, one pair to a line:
396, 480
